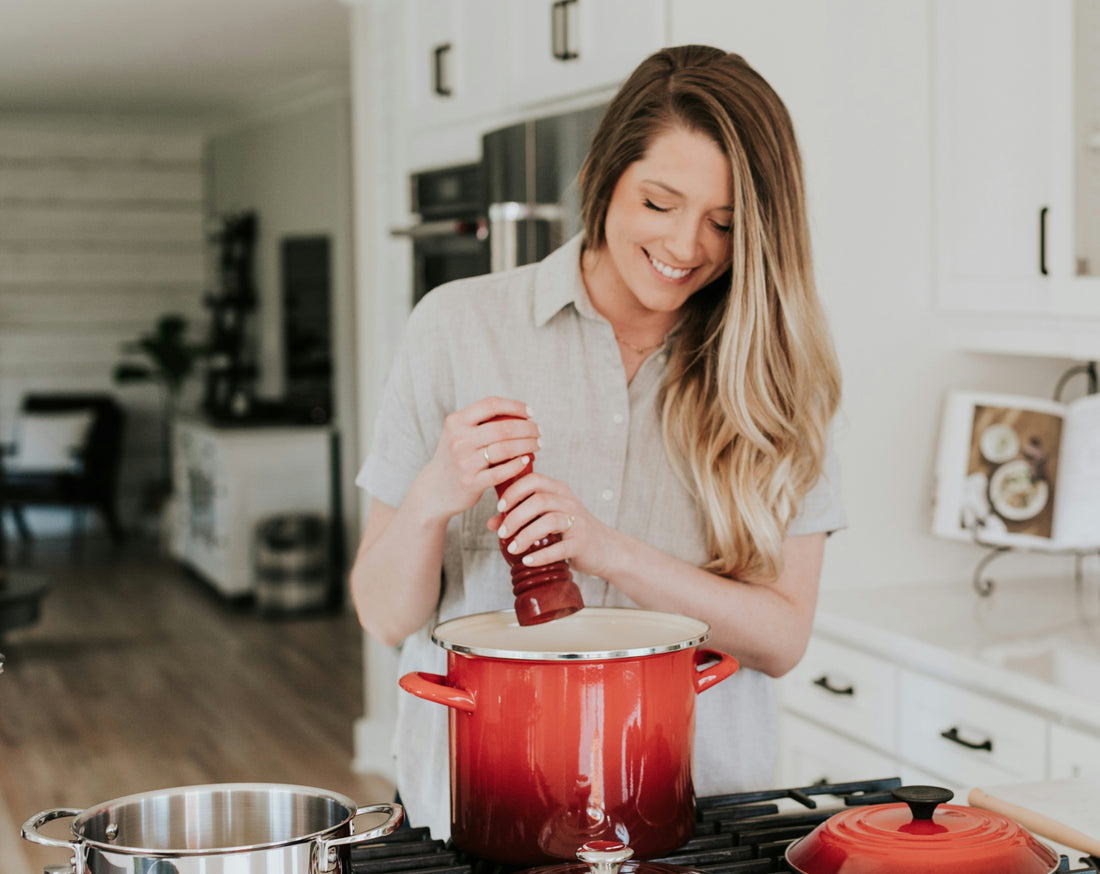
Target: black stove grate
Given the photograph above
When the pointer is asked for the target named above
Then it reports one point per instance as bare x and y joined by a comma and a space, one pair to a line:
743, 833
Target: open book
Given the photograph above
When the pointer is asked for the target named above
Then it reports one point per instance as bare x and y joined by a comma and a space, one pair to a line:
1019, 471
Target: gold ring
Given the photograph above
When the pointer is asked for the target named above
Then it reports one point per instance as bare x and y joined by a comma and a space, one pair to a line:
570, 525
485, 452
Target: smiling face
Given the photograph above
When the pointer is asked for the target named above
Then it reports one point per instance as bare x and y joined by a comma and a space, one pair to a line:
667, 229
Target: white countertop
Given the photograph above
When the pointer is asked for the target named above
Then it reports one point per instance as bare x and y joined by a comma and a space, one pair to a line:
1033, 642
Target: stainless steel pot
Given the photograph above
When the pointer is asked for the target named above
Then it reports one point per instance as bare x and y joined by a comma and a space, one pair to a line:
220, 828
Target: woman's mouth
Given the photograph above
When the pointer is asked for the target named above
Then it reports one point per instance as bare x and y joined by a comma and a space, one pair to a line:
667, 270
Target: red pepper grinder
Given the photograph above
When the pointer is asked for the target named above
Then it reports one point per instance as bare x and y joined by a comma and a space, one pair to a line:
545, 592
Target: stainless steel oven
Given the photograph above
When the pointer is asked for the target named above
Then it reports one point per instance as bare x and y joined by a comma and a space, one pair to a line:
451, 238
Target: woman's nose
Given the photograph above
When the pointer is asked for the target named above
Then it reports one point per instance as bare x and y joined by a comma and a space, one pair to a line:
683, 240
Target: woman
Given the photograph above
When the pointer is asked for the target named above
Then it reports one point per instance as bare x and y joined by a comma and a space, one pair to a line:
672, 369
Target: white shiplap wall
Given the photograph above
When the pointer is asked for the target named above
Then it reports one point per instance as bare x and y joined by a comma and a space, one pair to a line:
101, 232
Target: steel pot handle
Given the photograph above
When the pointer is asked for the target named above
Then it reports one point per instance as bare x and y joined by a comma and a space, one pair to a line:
716, 673
433, 687
30, 831
327, 848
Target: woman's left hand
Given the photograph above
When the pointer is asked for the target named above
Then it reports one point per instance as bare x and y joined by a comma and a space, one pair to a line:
535, 507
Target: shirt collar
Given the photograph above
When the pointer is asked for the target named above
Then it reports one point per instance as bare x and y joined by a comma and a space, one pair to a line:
558, 283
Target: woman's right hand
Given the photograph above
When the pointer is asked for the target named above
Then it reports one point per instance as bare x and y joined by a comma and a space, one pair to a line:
474, 453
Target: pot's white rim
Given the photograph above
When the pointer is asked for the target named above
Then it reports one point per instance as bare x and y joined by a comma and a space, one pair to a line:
592, 634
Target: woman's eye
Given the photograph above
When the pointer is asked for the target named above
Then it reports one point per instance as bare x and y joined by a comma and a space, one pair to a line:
722, 229
651, 205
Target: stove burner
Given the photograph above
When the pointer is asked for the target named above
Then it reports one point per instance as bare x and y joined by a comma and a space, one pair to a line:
742, 833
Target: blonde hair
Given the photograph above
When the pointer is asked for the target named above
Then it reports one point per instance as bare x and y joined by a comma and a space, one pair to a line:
753, 380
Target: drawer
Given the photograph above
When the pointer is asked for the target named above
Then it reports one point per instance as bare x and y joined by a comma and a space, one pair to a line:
847, 690
810, 754
967, 737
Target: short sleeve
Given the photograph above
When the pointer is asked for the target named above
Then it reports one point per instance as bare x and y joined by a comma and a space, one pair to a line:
410, 417
822, 509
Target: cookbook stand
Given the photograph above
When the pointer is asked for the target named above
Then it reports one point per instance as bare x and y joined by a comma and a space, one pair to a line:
983, 584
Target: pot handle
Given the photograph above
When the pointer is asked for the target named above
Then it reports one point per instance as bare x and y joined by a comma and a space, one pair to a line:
433, 687
716, 673
327, 855
30, 831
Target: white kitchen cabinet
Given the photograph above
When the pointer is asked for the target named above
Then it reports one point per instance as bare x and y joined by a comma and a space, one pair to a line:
563, 48
846, 690
968, 737
227, 479
1074, 753
451, 72
1005, 148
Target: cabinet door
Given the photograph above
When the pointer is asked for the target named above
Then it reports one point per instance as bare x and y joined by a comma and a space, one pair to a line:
561, 48
453, 71
1073, 753
811, 754
1003, 147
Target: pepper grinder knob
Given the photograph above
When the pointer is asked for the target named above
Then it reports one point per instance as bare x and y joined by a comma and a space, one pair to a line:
545, 592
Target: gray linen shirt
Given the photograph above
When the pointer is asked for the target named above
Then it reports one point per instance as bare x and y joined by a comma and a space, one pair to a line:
533, 334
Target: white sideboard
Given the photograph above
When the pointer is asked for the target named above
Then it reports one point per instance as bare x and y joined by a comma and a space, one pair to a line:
227, 479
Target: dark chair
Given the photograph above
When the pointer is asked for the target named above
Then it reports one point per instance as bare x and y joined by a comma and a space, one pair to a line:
91, 481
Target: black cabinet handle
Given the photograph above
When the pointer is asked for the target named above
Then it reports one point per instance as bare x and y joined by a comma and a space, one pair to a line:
438, 85
1043, 240
559, 31
952, 734
823, 682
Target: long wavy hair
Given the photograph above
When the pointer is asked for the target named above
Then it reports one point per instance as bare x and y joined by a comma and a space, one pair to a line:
753, 381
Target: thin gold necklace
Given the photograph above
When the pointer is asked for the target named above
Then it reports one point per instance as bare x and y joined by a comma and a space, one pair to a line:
641, 350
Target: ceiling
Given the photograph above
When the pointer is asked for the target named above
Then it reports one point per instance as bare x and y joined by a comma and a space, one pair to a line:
193, 58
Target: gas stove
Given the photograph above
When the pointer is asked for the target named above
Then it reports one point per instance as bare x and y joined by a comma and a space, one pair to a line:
743, 833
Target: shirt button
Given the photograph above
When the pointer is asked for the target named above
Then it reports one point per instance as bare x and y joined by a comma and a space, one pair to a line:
618, 418
607, 494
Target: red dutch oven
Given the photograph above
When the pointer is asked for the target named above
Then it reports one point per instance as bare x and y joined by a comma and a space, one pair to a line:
571, 731
921, 835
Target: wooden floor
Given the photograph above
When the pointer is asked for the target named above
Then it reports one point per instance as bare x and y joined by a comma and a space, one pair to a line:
137, 677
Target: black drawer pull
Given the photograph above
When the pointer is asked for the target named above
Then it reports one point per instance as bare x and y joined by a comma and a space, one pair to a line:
823, 682
439, 85
1043, 241
952, 734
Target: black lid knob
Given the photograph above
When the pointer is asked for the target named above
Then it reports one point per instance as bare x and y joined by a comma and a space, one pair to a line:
923, 800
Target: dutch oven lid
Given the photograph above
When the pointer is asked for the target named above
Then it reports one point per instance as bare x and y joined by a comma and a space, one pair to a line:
609, 857
594, 633
923, 834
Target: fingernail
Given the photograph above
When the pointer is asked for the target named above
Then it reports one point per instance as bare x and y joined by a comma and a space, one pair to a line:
502, 532
528, 560
530, 413
525, 459
538, 443
501, 505
513, 547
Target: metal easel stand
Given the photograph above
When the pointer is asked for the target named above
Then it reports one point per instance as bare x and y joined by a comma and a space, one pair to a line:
983, 584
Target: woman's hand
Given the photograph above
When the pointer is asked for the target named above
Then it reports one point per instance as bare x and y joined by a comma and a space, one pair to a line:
474, 454
535, 507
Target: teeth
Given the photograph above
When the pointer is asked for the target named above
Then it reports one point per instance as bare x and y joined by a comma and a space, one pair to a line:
670, 272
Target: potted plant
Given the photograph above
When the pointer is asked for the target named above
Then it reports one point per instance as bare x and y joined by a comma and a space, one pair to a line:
166, 357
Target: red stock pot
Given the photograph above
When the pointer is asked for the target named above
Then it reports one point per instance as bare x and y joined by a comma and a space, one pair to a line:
571, 731
920, 835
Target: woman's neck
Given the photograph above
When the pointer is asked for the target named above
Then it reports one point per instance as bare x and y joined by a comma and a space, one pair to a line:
639, 329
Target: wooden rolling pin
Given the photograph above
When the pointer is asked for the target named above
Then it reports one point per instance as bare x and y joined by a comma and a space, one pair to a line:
1037, 823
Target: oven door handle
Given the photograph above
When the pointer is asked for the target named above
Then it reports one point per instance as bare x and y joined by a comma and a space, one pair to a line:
443, 228
504, 219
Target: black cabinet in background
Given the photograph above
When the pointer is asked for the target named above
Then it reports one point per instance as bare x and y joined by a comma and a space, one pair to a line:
306, 269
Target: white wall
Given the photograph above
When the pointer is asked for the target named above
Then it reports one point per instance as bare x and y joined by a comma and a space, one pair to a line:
856, 78
294, 169
100, 234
